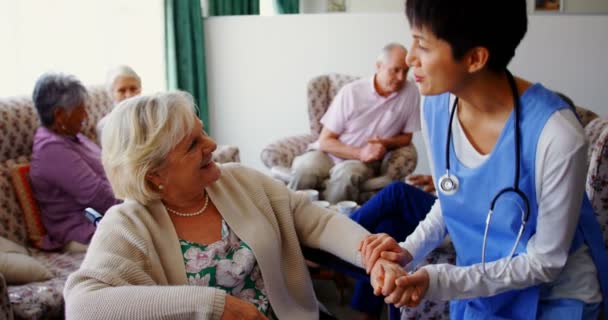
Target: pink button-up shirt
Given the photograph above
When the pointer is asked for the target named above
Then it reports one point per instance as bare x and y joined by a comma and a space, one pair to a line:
359, 113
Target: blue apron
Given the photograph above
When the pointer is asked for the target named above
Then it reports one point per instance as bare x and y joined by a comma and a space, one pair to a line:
465, 212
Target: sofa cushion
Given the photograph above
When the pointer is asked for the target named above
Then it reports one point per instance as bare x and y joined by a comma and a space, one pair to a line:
44, 300
7, 245
29, 207
19, 268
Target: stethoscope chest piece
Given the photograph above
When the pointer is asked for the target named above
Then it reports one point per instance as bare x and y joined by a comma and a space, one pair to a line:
448, 184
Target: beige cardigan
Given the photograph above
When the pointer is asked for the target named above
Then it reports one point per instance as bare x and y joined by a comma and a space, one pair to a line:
134, 268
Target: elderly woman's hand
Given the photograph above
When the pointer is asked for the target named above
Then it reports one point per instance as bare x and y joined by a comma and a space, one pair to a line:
235, 308
382, 245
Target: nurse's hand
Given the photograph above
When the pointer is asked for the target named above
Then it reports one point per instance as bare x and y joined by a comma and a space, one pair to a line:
384, 275
382, 245
410, 289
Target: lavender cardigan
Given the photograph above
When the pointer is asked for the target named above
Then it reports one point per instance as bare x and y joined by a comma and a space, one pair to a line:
67, 177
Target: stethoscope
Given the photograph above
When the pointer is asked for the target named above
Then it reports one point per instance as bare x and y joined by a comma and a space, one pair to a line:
448, 183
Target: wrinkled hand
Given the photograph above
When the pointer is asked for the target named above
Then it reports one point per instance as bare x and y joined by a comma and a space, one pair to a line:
372, 152
409, 290
384, 275
235, 308
422, 181
382, 245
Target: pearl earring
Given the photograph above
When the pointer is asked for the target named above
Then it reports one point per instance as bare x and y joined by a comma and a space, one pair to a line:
161, 187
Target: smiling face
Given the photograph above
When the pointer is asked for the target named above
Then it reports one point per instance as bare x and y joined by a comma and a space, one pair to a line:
188, 169
125, 87
434, 67
391, 74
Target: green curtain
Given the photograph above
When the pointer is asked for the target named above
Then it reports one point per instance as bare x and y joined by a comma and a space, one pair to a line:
288, 6
185, 52
234, 7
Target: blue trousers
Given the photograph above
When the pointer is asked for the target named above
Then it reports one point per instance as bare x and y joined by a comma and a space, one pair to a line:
396, 210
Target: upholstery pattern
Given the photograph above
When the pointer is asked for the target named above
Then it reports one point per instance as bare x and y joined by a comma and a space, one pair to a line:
6, 311
44, 300
226, 153
320, 92
283, 151
597, 177
400, 162
429, 309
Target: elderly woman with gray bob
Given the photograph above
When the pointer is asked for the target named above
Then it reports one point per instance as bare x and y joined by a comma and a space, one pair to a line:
122, 82
194, 239
66, 171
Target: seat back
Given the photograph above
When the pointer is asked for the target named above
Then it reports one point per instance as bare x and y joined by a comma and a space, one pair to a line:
597, 174
321, 92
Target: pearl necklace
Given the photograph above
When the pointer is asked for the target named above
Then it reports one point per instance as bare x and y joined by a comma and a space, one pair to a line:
191, 214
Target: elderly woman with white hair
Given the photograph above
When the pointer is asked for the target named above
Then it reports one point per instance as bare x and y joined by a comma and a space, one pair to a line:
194, 239
122, 82
66, 171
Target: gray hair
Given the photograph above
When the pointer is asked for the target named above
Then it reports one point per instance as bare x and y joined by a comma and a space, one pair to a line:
57, 90
117, 72
138, 136
387, 51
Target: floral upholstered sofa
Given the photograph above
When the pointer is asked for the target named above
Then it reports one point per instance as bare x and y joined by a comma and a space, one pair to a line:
18, 122
596, 130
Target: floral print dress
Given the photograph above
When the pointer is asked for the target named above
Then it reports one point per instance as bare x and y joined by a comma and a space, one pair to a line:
227, 264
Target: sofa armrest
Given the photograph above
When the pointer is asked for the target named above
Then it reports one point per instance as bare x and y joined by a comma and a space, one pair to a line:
6, 310
597, 176
283, 151
226, 153
400, 162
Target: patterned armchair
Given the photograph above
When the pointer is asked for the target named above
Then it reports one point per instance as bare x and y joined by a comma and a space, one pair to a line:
279, 155
596, 130
18, 122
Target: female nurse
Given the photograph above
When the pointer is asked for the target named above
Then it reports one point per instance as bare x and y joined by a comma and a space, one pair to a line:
509, 161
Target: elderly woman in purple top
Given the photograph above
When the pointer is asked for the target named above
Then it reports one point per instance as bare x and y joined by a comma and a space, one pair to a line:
66, 171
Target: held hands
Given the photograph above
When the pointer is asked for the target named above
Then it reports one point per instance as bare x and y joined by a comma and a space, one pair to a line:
372, 152
382, 245
235, 308
399, 288
378, 140
383, 258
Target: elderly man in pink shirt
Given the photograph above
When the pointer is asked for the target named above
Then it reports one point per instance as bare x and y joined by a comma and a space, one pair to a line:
367, 118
